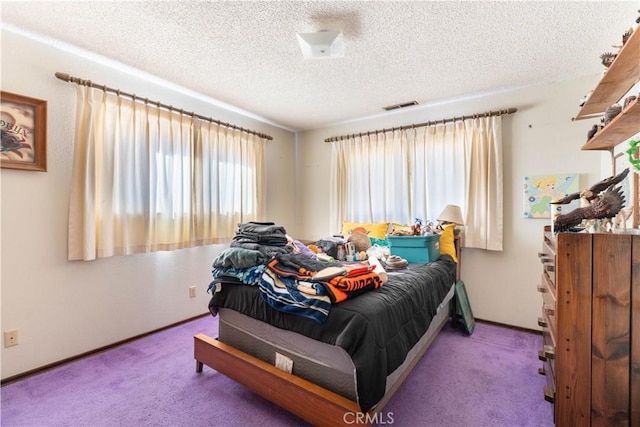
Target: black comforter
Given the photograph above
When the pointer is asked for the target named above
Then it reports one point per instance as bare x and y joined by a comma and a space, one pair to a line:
377, 328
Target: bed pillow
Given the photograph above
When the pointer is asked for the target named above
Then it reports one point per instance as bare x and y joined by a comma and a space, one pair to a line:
399, 227
374, 230
447, 243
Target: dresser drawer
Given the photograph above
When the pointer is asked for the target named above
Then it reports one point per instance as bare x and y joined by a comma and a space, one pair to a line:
550, 384
547, 259
548, 318
549, 338
548, 325
549, 280
548, 270
547, 355
548, 351
549, 243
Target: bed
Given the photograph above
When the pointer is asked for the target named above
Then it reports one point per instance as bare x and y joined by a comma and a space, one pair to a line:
350, 364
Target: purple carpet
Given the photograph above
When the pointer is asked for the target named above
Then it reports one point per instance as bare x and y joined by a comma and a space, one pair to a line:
487, 379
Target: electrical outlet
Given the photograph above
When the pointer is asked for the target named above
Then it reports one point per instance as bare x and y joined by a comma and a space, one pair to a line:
10, 338
192, 291
284, 363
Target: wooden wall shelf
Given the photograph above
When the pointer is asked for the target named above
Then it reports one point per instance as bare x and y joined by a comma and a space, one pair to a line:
622, 127
623, 73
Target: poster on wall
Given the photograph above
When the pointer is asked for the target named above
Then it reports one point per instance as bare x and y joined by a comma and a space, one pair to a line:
23, 123
540, 190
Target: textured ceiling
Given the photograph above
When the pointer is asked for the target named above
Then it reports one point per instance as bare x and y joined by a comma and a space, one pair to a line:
246, 54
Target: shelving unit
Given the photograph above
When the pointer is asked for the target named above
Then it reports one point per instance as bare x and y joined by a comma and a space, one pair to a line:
621, 76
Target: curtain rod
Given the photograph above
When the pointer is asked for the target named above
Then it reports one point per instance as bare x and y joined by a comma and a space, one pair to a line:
68, 78
429, 123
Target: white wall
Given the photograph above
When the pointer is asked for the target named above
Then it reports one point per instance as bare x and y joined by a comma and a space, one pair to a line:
539, 139
64, 308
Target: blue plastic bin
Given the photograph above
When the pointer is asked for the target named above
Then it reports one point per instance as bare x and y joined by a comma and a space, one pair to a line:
417, 249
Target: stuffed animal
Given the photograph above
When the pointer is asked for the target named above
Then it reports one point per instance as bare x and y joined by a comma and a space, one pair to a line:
360, 241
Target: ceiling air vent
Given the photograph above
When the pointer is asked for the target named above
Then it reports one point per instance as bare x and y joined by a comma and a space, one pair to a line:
398, 106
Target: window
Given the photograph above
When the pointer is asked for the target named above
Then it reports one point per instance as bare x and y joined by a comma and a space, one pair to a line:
401, 175
147, 179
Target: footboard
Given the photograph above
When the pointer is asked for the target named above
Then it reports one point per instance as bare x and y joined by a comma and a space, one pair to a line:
321, 407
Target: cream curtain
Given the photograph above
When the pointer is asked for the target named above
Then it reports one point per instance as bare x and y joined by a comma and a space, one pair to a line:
484, 193
147, 179
370, 179
403, 175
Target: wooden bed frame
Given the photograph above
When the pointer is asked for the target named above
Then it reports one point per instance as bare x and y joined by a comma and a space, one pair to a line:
321, 407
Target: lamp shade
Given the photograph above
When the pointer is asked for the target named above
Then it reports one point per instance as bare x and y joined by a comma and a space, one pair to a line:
323, 44
451, 213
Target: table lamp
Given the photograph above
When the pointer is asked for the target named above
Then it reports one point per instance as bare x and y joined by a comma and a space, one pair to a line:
452, 214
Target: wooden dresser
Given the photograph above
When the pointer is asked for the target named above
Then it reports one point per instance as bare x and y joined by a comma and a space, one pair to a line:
590, 319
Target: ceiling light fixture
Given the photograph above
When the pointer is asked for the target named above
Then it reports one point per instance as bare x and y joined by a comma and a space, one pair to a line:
321, 45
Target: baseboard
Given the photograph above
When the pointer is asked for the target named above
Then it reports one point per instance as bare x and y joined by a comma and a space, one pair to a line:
504, 325
53, 365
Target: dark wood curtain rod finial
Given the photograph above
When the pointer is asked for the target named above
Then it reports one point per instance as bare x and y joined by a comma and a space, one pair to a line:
63, 76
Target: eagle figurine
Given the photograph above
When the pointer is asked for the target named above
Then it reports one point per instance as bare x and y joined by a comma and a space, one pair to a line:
605, 205
595, 189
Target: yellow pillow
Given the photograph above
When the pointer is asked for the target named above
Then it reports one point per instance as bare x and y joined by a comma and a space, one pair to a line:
377, 231
447, 243
399, 227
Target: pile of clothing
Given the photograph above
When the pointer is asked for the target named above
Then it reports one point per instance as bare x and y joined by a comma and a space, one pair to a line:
265, 237
290, 279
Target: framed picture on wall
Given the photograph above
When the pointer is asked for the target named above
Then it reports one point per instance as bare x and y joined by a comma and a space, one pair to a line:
540, 190
23, 122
